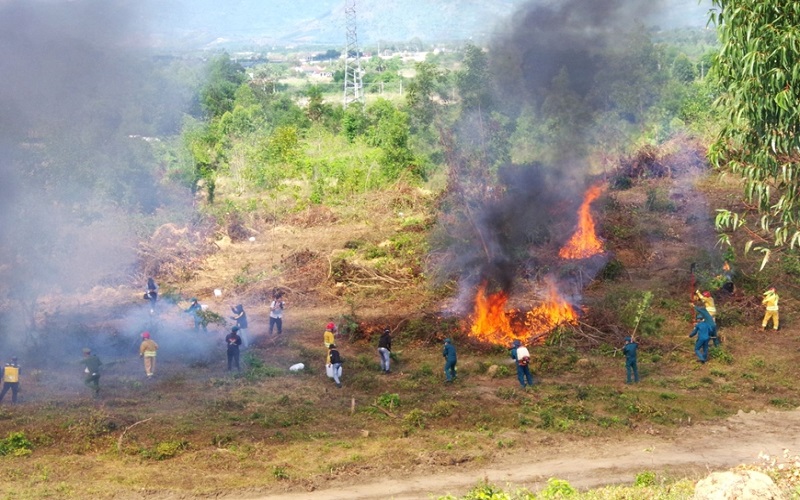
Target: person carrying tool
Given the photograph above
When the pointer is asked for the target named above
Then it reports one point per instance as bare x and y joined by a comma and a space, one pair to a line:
771, 303
708, 302
522, 357
631, 365
241, 321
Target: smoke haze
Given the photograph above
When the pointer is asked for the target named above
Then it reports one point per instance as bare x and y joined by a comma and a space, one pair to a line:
76, 187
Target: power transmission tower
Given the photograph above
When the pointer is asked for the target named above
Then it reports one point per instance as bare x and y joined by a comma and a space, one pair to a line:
353, 88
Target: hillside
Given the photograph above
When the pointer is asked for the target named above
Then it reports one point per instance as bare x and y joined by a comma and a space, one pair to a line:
196, 430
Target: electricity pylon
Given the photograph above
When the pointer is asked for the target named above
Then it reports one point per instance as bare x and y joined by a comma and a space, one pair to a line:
353, 88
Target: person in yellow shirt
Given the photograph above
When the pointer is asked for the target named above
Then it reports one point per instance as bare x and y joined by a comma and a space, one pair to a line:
327, 337
10, 380
147, 350
771, 303
708, 302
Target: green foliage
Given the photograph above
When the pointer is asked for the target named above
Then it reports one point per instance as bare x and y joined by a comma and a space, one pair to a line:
558, 488
721, 354
416, 418
16, 444
658, 201
757, 64
256, 369
646, 478
388, 401
165, 450
224, 78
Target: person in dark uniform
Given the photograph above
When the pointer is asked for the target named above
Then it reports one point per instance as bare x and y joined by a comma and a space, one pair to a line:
10, 380
233, 341
92, 370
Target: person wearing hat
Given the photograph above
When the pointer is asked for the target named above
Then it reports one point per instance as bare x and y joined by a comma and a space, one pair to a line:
92, 370
771, 303
233, 341
335, 362
241, 322
385, 349
327, 337
631, 365
195, 309
147, 350
708, 302
10, 380
703, 332
522, 357
450, 360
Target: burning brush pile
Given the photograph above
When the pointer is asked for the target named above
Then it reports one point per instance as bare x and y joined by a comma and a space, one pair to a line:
492, 321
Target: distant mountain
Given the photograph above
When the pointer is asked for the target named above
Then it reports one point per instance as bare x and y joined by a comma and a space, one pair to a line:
230, 23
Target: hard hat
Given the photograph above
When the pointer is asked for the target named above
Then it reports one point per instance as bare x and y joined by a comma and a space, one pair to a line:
770, 290
235, 329
331, 346
86, 350
706, 294
146, 335
386, 330
517, 343
330, 326
447, 341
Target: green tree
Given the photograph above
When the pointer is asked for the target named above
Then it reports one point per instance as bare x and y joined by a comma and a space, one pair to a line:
758, 67
219, 92
474, 81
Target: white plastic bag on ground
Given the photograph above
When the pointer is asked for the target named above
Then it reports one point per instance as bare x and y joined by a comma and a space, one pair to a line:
297, 367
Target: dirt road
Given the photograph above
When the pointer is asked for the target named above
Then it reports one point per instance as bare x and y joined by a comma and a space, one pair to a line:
693, 452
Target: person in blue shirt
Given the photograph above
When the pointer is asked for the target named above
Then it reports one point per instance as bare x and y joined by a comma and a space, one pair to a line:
449, 354
195, 309
631, 365
703, 313
703, 332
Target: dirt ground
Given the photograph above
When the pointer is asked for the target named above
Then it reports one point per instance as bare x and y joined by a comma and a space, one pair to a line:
692, 452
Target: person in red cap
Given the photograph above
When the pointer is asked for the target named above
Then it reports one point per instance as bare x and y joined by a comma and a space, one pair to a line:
147, 350
708, 302
327, 337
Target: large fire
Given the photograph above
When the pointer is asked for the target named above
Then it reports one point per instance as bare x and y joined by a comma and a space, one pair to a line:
584, 243
492, 323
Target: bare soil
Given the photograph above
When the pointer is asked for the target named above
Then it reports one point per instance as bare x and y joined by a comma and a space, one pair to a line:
691, 452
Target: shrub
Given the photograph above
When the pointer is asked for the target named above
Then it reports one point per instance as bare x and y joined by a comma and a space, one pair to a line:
646, 478
388, 401
15, 444
558, 488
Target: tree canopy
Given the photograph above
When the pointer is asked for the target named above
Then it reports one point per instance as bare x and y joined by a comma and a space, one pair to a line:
758, 67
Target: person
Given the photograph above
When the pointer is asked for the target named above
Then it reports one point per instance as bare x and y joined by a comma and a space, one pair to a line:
708, 302
151, 294
195, 309
702, 312
276, 312
771, 313
703, 332
385, 350
241, 322
147, 350
522, 357
450, 359
233, 341
335, 362
92, 370
727, 274
327, 337
10, 380
631, 364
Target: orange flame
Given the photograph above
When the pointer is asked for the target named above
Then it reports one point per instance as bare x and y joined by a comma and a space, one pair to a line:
492, 323
584, 243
